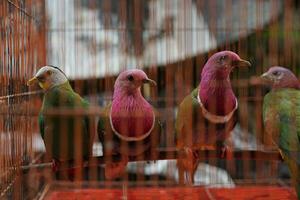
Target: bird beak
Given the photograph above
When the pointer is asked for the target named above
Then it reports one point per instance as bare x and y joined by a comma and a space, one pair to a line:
32, 81
265, 76
241, 63
150, 81
268, 78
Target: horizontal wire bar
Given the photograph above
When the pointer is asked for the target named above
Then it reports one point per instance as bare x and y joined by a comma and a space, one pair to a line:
148, 29
20, 95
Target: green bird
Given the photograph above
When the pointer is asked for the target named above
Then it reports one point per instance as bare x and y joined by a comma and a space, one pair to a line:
129, 125
281, 115
66, 137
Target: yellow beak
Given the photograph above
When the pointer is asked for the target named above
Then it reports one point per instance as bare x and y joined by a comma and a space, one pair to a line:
32, 81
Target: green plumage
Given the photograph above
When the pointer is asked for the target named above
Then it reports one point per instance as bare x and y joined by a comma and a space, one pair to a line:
194, 130
66, 137
118, 146
184, 120
281, 115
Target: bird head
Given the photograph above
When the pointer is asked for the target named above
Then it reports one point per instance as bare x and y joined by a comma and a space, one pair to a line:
48, 77
222, 63
279, 77
131, 80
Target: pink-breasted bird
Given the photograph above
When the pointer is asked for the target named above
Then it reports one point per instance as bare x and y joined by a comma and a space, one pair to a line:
206, 116
129, 125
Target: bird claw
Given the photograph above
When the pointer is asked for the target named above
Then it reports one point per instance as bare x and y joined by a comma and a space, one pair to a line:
226, 152
190, 153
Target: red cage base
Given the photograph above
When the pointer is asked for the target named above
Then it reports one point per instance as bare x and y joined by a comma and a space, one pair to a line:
181, 193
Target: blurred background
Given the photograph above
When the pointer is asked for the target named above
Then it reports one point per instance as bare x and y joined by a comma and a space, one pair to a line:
93, 40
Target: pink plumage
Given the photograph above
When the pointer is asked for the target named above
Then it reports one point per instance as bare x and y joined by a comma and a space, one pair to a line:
128, 126
132, 116
215, 89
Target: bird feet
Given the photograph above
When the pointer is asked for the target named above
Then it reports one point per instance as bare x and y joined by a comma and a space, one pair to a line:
187, 165
189, 158
190, 153
226, 152
115, 170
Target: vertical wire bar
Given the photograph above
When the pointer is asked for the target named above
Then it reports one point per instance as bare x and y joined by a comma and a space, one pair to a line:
273, 59
243, 111
169, 88
258, 91
213, 27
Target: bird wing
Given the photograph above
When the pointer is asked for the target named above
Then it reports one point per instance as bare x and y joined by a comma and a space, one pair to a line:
184, 120
281, 114
41, 122
103, 124
61, 133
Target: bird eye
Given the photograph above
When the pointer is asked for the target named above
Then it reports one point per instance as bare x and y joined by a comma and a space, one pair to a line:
49, 72
222, 58
276, 73
41, 78
130, 78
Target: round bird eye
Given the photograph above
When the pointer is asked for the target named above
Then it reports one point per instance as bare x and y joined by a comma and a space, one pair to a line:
41, 78
130, 78
49, 72
276, 73
222, 58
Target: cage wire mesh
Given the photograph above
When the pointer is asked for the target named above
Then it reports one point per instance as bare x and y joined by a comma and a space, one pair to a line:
92, 41
22, 51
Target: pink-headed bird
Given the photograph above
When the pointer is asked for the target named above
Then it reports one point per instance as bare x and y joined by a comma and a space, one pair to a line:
129, 125
205, 117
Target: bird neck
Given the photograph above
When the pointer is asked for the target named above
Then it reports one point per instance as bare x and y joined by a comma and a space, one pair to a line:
287, 84
217, 95
66, 86
130, 100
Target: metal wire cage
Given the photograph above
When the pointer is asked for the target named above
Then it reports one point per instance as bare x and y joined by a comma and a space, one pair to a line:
23, 49
92, 41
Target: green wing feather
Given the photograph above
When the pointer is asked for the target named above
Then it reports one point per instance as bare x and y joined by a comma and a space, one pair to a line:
281, 114
61, 132
42, 125
103, 124
184, 120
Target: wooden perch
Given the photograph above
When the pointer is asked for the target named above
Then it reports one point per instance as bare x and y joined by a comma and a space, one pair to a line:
168, 154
